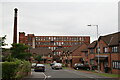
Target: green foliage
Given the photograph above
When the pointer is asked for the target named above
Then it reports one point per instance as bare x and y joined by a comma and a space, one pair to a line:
2, 41
23, 69
9, 58
109, 75
18, 48
19, 51
9, 69
16, 69
23, 56
38, 58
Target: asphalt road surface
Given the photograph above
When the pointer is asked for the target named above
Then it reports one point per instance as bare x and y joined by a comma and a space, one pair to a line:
64, 74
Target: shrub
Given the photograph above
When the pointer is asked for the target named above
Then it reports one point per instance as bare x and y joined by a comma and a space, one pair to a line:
24, 68
15, 70
9, 69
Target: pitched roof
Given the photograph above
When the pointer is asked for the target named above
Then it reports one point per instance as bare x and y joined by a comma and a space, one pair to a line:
85, 49
93, 44
73, 48
41, 51
111, 39
60, 49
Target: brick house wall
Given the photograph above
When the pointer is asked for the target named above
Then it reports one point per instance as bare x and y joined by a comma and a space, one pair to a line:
115, 57
77, 54
107, 57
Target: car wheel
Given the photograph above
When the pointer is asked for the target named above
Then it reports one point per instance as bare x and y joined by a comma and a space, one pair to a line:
77, 68
88, 68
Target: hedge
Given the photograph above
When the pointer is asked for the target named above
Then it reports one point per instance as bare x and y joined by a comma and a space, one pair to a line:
15, 70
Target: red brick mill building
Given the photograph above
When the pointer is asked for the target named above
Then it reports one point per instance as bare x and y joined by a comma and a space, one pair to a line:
52, 42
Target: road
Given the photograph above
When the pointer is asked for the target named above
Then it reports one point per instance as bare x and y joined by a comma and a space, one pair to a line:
64, 74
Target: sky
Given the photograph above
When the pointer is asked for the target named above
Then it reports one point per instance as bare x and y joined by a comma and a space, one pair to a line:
59, 17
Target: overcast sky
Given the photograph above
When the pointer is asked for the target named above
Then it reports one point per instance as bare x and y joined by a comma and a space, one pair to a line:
66, 17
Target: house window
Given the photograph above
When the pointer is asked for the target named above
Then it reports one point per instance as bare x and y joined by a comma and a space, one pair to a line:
86, 54
115, 49
91, 51
29, 38
116, 64
105, 50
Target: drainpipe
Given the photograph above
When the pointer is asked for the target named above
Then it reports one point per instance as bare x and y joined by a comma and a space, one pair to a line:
110, 55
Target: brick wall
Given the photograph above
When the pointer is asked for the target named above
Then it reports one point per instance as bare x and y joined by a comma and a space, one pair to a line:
77, 54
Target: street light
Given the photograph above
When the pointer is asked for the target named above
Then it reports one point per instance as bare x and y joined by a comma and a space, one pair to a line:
98, 47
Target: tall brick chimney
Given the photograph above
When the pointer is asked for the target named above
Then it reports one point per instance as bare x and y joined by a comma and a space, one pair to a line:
15, 26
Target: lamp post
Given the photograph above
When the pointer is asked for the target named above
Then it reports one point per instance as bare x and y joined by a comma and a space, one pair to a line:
98, 46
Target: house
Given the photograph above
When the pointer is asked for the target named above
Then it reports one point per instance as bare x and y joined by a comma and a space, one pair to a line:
110, 50
106, 52
44, 52
73, 55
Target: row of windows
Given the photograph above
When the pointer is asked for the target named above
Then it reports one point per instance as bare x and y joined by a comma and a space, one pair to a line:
115, 49
56, 53
105, 50
116, 64
29, 38
61, 38
58, 43
54, 48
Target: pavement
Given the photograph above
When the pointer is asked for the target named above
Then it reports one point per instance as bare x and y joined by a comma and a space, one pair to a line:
64, 74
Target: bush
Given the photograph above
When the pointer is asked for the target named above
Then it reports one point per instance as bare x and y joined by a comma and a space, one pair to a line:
15, 70
24, 68
94, 67
9, 69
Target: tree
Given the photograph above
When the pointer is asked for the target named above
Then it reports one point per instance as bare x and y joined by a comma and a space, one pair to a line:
20, 51
2, 41
38, 58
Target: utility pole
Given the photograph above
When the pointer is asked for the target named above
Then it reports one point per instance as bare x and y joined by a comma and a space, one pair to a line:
98, 47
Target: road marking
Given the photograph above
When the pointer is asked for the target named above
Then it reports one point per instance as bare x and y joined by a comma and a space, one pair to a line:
48, 76
44, 76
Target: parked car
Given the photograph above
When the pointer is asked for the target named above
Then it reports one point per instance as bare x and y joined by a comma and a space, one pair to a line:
52, 64
33, 65
56, 66
39, 67
81, 66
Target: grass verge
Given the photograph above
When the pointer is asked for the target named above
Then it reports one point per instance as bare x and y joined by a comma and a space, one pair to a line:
109, 75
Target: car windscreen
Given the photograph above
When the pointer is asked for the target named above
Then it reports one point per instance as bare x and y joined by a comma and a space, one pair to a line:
40, 65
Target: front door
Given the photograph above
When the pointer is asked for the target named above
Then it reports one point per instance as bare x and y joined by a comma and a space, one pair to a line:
106, 67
